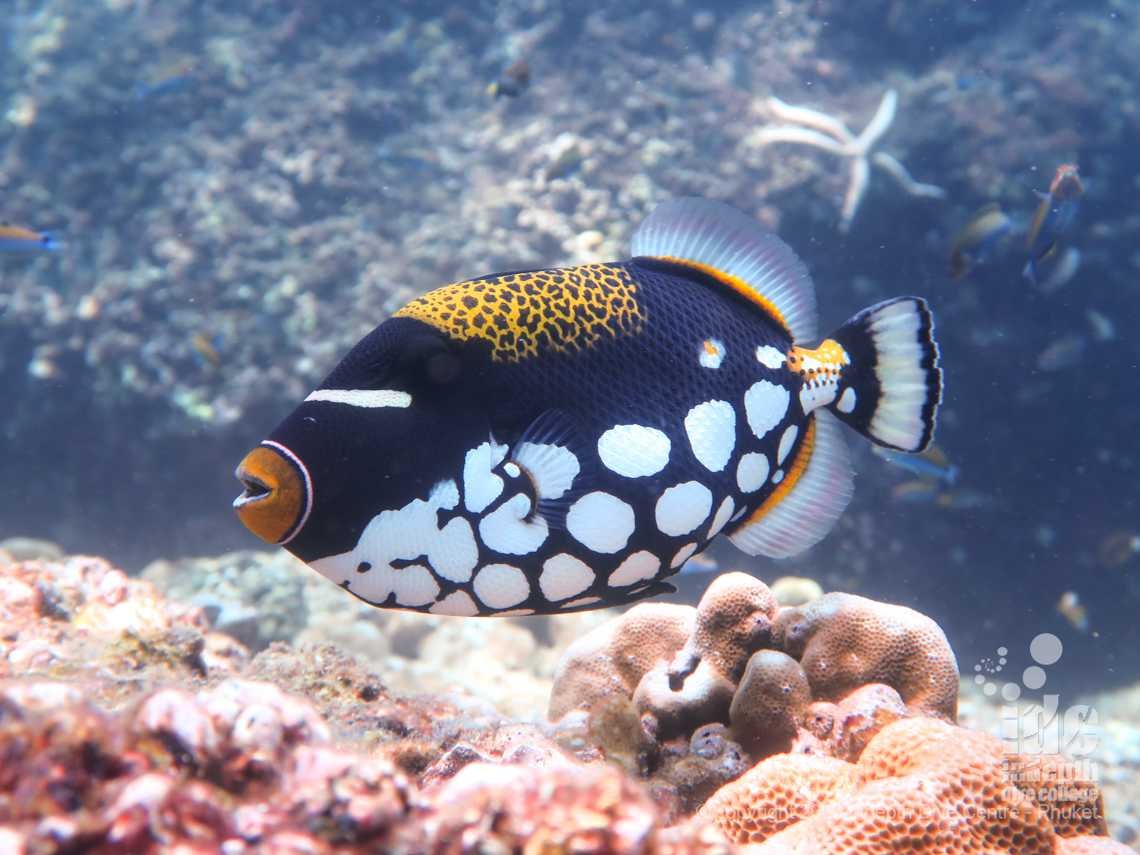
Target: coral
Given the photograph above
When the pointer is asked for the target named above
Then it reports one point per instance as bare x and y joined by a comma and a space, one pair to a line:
770, 702
844, 641
612, 659
919, 784
822, 677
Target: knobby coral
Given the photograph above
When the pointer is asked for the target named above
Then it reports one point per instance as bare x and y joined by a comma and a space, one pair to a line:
920, 785
824, 676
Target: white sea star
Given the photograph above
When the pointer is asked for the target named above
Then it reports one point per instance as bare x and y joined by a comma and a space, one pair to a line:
808, 126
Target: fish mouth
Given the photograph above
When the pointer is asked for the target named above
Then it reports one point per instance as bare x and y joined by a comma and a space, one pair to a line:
255, 490
277, 493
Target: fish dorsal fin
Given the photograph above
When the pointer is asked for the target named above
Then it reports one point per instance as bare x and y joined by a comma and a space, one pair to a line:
735, 250
807, 502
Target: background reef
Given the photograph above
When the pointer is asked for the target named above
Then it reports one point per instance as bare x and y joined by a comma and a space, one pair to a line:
243, 189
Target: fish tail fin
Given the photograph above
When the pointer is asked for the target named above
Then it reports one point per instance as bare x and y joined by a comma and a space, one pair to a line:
892, 386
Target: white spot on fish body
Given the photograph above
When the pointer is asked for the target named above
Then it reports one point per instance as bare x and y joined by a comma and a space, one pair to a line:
846, 401
500, 586
414, 586
683, 554
683, 507
720, 519
366, 398
507, 529
636, 568
751, 472
770, 357
711, 428
601, 522
481, 486
406, 533
563, 577
787, 440
581, 601
458, 603
711, 353
634, 451
765, 405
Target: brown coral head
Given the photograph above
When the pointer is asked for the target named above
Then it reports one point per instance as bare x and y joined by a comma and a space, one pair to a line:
734, 619
770, 703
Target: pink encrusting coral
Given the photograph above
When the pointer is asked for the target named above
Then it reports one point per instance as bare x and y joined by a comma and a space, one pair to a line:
128, 726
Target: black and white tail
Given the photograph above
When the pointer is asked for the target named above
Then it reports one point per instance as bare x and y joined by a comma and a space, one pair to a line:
891, 390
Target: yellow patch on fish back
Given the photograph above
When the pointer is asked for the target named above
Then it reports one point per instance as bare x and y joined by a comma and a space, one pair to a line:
821, 363
737, 284
524, 314
791, 478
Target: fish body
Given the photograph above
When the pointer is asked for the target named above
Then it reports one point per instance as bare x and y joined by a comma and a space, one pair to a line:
1065, 352
931, 465
1054, 217
1070, 607
564, 439
21, 239
512, 82
173, 79
978, 239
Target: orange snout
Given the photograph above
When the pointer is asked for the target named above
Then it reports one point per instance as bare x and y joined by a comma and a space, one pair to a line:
277, 495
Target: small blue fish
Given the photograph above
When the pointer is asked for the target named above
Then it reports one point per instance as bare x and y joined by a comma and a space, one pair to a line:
1054, 217
21, 239
173, 79
931, 465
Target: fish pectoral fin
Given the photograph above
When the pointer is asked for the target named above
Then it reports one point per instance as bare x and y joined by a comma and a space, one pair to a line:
892, 387
552, 453
731, 248
804, 506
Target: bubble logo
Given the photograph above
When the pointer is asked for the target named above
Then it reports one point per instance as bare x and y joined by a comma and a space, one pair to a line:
1032, 727
1045, 649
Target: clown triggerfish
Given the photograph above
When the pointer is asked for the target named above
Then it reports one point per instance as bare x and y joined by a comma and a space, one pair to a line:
565, 439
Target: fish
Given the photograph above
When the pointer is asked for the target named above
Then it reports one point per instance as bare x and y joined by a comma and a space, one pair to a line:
556, 440
207, 348
931, 465
915, 492
513, 81
1065, 352
173, 78
1119, 548
1062, 268
21, 239
1054, 217
1103, 329
1070, 607
978, 239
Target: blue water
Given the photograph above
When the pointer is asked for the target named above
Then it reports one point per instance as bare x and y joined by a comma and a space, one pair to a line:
313, 169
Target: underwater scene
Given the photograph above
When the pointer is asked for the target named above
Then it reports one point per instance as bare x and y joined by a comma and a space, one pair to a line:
546, 427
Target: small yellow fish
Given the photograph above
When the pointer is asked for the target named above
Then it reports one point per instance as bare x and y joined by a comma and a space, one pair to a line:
206, 349
982, 234
21, 239
1072, 610
512, 82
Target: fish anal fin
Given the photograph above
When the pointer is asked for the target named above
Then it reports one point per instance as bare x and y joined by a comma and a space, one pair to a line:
805, 505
